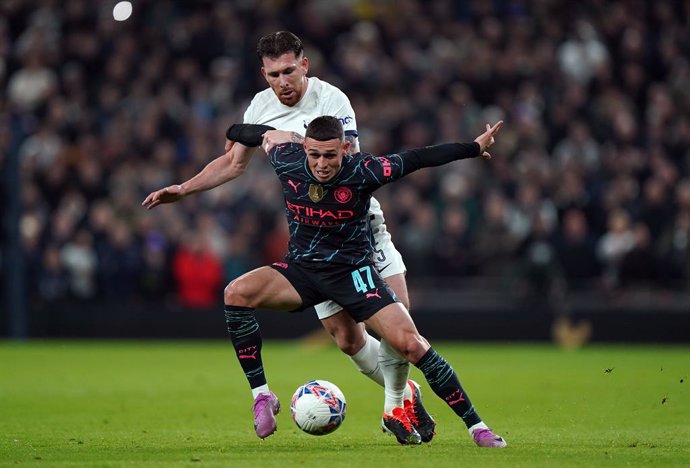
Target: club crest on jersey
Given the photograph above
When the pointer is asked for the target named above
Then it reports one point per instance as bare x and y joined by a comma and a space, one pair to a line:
343, 194
315, 192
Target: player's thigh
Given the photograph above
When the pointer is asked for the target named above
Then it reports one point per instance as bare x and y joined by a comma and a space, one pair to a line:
265, 288
399, 286
394, 324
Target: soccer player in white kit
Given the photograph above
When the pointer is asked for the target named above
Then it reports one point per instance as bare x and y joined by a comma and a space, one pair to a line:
289, 104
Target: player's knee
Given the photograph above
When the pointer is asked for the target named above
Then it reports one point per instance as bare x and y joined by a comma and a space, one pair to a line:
349, 345
348, 335
239, 293
349, 340
413, 346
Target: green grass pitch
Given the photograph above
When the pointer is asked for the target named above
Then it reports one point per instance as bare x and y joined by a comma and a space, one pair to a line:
99, 403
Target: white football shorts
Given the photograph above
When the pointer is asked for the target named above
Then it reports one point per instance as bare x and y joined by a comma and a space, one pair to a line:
387, 259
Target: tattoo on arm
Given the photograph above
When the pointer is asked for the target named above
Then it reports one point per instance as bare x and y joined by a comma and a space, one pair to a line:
354, 143
296, 137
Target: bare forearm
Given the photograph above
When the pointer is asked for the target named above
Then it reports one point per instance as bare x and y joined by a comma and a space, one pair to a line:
213, 175
219, 171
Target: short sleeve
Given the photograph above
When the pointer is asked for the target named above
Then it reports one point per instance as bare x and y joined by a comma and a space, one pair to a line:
339, 107
249, 114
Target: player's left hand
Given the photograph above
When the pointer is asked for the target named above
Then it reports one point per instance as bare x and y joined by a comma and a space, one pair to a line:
275, 137
486, 139
228, 145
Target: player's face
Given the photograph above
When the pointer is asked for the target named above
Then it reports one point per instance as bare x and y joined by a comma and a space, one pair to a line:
286, 75
325, 157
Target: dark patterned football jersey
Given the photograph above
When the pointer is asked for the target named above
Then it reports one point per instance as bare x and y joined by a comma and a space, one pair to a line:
328, 221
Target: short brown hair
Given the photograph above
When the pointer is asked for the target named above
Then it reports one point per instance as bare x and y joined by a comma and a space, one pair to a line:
325, 128
278, 43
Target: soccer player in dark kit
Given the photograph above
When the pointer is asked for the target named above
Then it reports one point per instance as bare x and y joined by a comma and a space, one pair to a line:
292, 100
327, 196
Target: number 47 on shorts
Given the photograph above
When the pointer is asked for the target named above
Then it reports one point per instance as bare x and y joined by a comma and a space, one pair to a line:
358, 279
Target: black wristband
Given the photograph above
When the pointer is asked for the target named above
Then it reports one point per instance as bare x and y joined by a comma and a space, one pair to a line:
247, 134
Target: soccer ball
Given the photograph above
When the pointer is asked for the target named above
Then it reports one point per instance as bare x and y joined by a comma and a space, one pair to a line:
318, 407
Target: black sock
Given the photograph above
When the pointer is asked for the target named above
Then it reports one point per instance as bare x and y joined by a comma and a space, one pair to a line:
246, 338
444, 382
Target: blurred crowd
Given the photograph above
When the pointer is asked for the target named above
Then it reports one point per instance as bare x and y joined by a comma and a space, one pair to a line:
589, 185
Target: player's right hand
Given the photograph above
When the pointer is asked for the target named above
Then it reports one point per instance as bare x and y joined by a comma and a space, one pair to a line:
169, 194
228, 145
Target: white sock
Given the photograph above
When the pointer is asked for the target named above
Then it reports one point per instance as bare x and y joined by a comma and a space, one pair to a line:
407, 396
396, 370
479, 425
261, 389
366, 360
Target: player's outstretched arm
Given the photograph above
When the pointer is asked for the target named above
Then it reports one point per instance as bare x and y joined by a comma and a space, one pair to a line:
224, 168
394, 166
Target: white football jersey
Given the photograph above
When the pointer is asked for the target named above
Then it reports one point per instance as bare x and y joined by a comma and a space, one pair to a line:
321, 98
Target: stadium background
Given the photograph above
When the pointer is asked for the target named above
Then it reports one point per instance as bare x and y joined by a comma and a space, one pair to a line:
578, 229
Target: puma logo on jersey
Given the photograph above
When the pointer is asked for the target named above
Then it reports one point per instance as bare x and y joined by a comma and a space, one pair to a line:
293, 185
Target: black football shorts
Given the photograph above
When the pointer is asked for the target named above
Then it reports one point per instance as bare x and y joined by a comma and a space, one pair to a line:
359, 289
